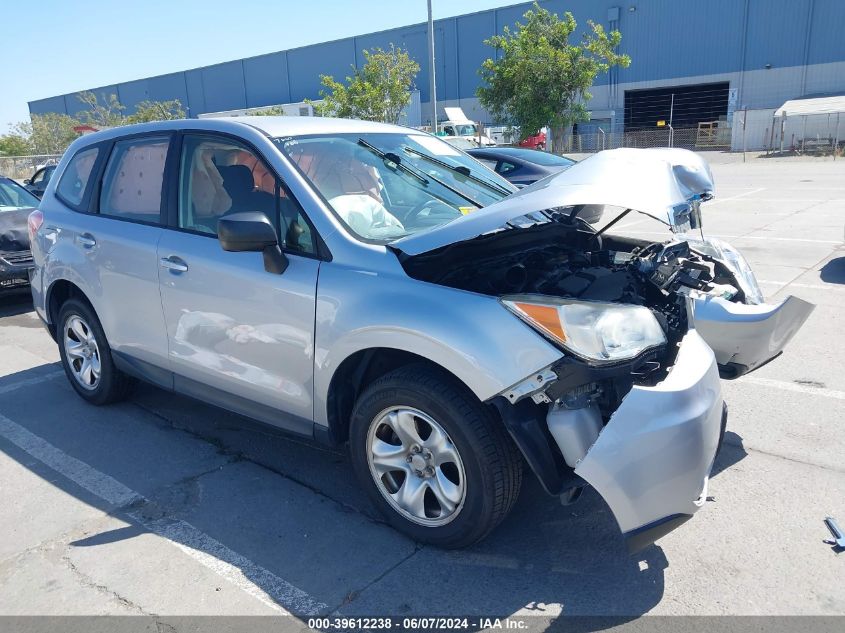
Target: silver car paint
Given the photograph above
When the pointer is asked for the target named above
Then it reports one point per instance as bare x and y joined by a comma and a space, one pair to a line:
652, 181
653, 458
364, 300
118, 273
469, 334
236, 327
472, 336
748, 335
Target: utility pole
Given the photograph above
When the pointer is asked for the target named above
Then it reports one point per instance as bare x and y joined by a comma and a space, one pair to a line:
432, 83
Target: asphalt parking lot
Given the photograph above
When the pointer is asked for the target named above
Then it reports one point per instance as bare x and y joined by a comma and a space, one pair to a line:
162, 505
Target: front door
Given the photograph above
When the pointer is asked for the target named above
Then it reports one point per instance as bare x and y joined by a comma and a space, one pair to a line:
239, 336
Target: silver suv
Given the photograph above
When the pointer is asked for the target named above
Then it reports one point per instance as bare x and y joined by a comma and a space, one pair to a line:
372, 285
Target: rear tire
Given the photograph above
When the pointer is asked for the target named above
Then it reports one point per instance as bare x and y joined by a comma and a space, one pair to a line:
86, 355
451, 474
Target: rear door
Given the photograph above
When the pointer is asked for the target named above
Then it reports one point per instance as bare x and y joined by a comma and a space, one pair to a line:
118, 241
240, 337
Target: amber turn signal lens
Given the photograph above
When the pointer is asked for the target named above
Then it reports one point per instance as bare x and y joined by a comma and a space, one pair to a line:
544, 317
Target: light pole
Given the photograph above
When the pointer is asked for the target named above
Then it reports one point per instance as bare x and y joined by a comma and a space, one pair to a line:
432, 83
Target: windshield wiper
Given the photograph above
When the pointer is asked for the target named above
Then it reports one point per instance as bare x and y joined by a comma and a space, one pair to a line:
463, 170
395, 159
419, 175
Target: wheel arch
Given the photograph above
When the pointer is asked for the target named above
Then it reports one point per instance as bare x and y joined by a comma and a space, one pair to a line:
58, 293
356, 372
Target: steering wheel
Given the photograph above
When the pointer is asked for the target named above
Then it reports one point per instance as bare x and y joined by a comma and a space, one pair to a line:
423, 206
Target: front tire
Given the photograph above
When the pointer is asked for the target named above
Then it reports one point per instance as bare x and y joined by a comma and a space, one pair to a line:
86, 355
433, 459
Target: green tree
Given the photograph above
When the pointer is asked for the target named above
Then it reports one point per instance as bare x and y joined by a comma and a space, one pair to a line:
14, 144
147, 111
539, 78
50, 133
109, 113
378, 91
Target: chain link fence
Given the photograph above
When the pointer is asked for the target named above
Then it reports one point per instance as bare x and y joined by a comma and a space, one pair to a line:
704, 137
20, 167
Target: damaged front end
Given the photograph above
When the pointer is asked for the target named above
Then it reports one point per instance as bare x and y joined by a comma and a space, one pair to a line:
634, 405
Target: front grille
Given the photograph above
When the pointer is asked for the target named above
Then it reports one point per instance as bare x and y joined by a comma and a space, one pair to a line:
17, 259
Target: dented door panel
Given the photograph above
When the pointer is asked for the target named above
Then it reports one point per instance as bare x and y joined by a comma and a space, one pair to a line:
745, 337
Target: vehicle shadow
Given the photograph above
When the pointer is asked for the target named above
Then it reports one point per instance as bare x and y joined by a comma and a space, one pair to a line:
15, 302
833, 272
292, 508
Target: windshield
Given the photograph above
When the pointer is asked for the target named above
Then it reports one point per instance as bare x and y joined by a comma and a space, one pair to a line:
465, 129
14, 197
386, 186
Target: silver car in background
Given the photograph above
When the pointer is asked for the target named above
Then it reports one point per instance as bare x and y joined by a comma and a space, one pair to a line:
370, 284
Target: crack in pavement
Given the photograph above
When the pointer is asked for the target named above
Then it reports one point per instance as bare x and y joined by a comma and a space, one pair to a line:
794, 460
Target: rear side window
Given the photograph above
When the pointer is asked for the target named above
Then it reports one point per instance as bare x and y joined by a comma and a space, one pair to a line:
132, 183
77, 176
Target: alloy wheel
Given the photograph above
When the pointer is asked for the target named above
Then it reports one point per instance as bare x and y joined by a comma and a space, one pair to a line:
415, 466
83, 354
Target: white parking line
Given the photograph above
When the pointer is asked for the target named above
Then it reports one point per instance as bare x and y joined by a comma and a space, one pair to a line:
791, 386
792, 284
728, 199
242, 572
27, 382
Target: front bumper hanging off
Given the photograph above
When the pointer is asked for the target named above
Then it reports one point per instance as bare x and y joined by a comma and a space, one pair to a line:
652, 460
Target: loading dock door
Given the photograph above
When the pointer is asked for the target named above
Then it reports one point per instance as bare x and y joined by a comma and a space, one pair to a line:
692, 105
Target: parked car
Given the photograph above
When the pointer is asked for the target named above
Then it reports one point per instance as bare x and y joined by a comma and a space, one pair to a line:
535, 141
38, 182
521, 166
369, 284
16, 203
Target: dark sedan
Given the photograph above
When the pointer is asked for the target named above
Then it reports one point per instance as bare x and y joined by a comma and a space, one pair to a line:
38, 183
523, 167
16, 203
519, 165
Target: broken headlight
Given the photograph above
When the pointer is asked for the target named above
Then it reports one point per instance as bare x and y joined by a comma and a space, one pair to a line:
735, 262
591, 330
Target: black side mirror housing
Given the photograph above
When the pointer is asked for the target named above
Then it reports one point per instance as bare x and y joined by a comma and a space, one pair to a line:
252, 231
27, 181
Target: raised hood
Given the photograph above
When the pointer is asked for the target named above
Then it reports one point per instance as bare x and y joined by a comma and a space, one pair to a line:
660, 182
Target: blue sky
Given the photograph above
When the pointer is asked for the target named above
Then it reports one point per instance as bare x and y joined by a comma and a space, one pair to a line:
58, 46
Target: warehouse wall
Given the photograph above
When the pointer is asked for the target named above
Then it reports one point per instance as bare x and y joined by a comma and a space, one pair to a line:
668, 40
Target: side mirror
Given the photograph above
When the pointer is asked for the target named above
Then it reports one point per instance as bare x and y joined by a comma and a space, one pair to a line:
27, 181
252, 231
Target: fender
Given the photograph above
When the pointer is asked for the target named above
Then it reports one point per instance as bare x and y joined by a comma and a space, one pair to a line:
470, 335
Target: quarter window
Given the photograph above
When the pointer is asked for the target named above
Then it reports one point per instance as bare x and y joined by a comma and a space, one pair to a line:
77, 176
220, 177
132, 184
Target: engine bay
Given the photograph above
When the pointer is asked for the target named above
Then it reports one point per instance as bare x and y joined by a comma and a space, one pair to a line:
575, 262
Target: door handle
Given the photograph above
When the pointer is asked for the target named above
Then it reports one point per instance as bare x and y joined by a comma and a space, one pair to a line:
86, 240
176, 264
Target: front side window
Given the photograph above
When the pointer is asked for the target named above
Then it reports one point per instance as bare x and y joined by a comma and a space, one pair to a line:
39, 177
132, 183
14, 197
77, 176
221, 177
387, 185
